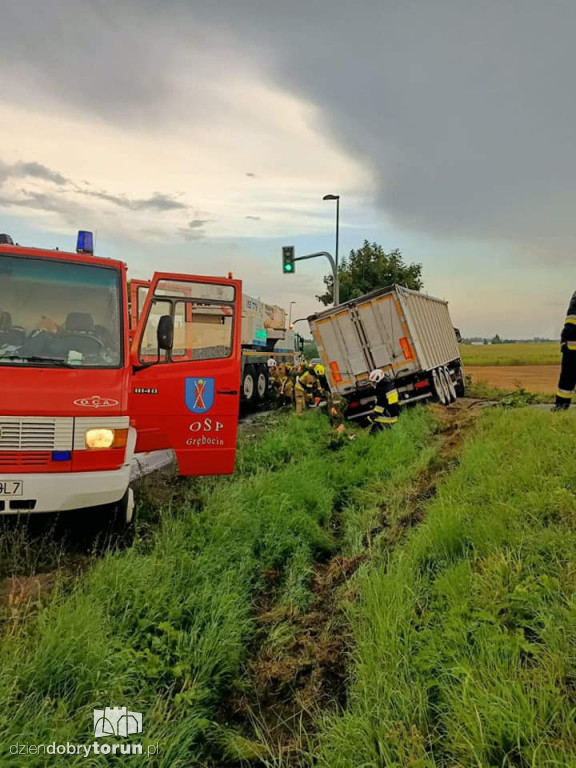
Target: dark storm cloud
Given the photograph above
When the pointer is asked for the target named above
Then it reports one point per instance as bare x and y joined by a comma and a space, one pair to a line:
102, 56
462, 110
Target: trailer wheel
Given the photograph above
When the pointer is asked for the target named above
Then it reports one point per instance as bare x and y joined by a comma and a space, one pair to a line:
249, 384
262, 382
460, 386
450, 384
440, 388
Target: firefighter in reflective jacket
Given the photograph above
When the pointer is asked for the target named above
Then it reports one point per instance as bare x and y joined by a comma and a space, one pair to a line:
284, 384
387, 408
568, 372
304, 389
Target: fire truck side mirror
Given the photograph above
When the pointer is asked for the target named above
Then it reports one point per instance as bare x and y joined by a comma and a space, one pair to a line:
165, 332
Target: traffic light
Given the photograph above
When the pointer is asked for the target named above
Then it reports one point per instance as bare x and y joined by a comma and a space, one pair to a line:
288, 259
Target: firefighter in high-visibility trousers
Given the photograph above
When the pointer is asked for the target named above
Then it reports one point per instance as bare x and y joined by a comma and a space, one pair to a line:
387, 408
304, 390
567, 381
285, 385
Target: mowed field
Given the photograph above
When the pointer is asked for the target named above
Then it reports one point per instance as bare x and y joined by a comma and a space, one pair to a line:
534, 367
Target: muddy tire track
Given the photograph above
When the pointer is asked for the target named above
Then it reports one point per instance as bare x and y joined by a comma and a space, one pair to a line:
287, 690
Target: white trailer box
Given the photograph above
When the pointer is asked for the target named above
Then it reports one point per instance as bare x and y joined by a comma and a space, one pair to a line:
403, 331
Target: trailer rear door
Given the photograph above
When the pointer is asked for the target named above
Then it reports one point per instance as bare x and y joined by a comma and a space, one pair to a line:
384, 324
187, 398
340, 348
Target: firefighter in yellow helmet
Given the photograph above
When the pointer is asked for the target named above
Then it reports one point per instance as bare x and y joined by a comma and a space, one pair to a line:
320, 373
304, 387
387, 408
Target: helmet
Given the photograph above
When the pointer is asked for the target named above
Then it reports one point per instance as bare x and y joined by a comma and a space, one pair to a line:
376, 376
319, 369
271, 362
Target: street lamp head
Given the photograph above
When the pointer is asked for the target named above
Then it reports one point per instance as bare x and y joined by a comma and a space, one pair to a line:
331, 197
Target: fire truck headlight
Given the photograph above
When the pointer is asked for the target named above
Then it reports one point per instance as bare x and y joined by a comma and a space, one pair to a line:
106, 438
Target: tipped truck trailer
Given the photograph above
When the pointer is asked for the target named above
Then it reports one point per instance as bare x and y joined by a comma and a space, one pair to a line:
405, 332
86, 403
264, 335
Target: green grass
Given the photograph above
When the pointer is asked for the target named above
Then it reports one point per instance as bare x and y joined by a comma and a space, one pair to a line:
165, 627
465, 636
546, 353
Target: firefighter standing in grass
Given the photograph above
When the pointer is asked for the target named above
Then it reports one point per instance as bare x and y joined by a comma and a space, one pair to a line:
387, 408
568, 371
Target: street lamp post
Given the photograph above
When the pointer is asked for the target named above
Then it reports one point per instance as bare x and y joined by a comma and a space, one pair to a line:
336, 281
290, 313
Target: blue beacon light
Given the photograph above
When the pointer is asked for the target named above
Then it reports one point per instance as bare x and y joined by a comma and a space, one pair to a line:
85, 242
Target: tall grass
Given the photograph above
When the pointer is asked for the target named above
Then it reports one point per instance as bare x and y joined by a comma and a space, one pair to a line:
545, 353
465, 637
164, 628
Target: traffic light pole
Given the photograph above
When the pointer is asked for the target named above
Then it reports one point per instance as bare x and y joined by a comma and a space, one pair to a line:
336, 291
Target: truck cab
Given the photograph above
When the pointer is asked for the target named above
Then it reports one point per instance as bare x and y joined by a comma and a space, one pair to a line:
82, 394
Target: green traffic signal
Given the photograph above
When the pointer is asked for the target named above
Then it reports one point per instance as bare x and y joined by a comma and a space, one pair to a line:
288, 259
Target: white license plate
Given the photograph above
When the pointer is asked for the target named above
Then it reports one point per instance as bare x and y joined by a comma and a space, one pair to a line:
11, 487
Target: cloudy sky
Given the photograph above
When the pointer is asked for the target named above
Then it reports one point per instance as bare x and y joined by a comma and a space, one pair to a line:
200, 137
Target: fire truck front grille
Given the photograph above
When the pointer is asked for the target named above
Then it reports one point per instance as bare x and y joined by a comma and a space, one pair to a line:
15, 459
38, 433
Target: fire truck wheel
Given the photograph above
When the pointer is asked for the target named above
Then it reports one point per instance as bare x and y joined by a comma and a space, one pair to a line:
249, 384
262, 382
117, 521
449, 384
439, 388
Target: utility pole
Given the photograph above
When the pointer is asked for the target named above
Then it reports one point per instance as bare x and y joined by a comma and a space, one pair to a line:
336, 280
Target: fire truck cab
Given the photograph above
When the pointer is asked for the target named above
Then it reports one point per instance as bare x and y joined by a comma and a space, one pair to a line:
82, 394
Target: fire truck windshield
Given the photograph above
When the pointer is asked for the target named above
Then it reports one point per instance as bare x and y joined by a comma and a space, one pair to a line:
59, 313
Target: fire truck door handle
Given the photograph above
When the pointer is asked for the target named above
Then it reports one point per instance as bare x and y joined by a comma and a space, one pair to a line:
227, 391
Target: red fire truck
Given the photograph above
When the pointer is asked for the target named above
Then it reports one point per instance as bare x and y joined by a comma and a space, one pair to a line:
81, 395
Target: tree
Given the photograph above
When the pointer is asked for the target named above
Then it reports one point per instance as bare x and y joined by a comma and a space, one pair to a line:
368, 268
496, 340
